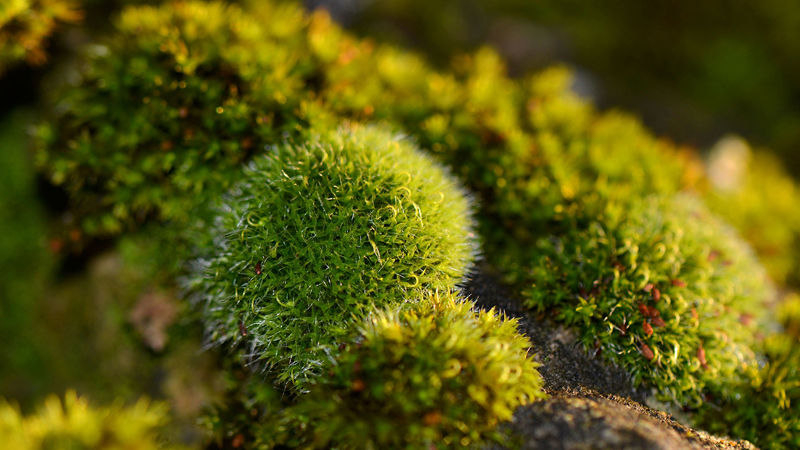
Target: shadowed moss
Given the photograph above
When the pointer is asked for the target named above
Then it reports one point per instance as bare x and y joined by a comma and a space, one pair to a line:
25, 265
168, 108
437, 375
74, 424
319, 233
25, 26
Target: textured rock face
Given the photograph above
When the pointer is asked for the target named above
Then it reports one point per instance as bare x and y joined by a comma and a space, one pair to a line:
565, 364
582, 419
592, 405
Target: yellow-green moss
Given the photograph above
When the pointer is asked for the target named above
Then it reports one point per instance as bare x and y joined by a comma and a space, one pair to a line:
74, 424
25, 26
438, 375
754, 193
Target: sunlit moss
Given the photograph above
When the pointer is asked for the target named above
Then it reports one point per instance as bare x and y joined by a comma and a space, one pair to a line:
667, 291
765, 407
169, 107
25, 26
319, 233
438, 375
75, 424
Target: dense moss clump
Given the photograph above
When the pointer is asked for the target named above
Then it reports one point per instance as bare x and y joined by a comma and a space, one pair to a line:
765, 408
581, 165
319, 233
26, 24
665, 290
438, 375
76, 425
168, 108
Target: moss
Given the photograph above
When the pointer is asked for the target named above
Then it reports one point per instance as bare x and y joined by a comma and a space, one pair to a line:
319, 233
764, 410
789, 315
753, 192
181, 113
25, 26
582, 167
168, 108
24, 261
666, 290
438, 375
75, 424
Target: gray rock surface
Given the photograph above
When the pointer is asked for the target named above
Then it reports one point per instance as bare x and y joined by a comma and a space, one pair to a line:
592, 404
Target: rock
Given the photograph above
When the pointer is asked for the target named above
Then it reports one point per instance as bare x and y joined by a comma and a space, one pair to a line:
592, 404
573, 419
564, 362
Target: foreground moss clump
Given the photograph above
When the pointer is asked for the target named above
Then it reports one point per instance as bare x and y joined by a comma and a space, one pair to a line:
26, 24
438, 375
76, 425
666, 290
320, 233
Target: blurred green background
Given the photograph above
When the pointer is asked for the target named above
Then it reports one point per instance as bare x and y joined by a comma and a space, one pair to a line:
692, 70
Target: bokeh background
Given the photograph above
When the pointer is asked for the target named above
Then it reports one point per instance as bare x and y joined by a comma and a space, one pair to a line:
99, 320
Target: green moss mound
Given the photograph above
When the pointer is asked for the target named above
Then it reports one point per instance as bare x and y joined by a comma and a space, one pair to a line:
580, 167
168, 108
25, 26
666, 290
438, 375
320, 233
75, 424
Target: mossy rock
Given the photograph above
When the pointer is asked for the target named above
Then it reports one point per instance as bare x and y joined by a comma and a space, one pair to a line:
666, 290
